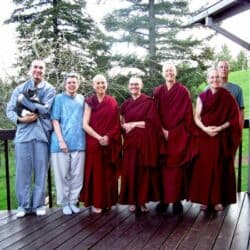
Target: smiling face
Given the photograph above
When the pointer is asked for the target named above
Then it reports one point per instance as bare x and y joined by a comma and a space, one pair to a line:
100, 84
213, 79
37, 70
169, 73
135, 86
71, 85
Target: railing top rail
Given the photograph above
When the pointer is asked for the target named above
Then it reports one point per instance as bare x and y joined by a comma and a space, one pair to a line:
7, 134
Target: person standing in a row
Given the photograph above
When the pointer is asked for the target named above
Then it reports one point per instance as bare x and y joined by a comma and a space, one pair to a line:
32, 140
176, 115
217, 117
139, 175
68, 144
101, 122
223, 70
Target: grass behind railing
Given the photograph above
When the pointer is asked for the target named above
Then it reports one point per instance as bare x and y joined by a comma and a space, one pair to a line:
3, 195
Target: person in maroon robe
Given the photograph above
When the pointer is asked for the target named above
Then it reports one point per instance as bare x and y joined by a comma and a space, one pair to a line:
217, 119
176, 115
101, 122
139, 175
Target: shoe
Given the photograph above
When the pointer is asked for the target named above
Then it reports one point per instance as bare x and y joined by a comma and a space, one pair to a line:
96, 210
74, 208
20, 212
161, 207
144, 209
218, 207
177, 208
132, 208
67, 210
40, 211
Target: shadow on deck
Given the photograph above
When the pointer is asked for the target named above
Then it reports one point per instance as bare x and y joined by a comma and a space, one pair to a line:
120, 229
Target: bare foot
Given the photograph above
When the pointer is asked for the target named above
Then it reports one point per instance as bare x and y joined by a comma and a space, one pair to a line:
144, 209
218, 207
96, 210
203, 207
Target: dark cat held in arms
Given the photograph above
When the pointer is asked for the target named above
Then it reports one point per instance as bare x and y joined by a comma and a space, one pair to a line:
31, 96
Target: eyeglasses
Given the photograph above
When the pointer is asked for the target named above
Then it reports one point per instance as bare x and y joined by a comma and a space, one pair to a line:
134, 84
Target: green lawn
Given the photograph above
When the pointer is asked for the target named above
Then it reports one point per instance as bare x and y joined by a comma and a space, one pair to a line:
242, 78
3, 196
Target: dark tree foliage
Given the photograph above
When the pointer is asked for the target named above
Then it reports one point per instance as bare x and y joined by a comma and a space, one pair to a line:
62, 33
153, 27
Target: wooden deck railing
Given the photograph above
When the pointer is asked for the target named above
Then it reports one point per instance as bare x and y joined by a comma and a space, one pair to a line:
8, 135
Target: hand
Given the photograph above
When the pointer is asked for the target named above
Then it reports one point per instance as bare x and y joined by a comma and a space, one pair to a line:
104, 141
128, 126
63, 146
211, 130
165, 133
29, 118
218, 129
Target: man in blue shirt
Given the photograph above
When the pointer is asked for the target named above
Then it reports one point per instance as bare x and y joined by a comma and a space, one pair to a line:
234, 89
32, 140
68, 144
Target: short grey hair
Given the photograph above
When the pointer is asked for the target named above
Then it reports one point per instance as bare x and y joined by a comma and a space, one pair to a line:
209, 70
137, 78
166, 65
100, 76
71, 75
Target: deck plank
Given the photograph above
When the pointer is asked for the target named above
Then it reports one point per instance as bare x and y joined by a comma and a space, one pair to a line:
242, 231
225, 236
178, 234
121, 229
91, 229
31, 230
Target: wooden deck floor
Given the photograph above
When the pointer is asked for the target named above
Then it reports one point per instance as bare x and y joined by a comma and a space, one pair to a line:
119, 229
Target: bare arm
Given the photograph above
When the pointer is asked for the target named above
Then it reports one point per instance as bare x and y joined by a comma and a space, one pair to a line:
86, 126
58, 132
128, 126
210, 130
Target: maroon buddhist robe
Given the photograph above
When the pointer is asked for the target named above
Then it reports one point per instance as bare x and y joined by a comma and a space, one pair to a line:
176, 115
139, 176
213, 178
100, 187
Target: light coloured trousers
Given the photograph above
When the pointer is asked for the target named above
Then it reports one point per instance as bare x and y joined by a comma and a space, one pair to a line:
31, 161
68, 171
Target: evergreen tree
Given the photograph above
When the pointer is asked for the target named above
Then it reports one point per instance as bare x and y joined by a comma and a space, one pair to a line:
241, 61
62, 33
224, 54
152, 28
6, 89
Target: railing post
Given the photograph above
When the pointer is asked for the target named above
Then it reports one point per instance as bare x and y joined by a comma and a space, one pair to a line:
6, 135
239, 167
248, 122
7, 178
50, 188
